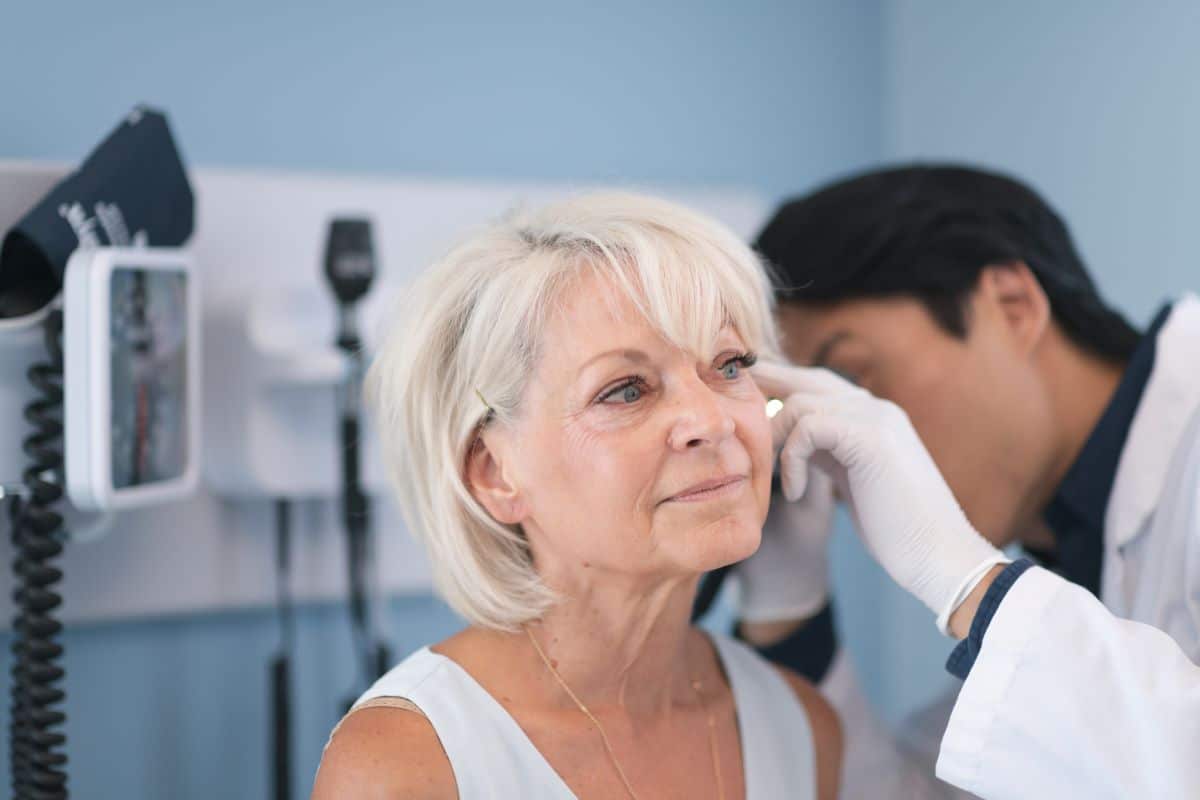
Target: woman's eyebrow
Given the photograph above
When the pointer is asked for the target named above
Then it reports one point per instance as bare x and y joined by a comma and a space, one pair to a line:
628, 354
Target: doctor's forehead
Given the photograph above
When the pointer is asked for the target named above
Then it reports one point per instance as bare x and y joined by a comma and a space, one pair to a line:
813, 334
810, 335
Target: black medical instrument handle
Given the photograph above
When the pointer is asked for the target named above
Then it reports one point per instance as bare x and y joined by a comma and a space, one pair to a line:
37, 766
349, 259
281, 704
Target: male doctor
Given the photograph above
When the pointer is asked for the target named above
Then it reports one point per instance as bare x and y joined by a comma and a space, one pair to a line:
957, 296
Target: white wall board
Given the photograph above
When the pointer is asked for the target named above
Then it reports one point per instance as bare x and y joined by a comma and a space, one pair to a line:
268, 395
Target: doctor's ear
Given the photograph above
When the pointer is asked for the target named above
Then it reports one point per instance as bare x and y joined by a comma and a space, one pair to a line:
1022, 302
488, 484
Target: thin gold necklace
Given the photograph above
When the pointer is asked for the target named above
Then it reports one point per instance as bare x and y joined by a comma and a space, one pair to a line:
696, 686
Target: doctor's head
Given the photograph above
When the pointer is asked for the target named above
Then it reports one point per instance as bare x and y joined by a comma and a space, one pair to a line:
565, 403
959, 295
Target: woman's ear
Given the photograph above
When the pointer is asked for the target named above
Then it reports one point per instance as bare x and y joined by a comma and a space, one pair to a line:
1021, 300
489, 486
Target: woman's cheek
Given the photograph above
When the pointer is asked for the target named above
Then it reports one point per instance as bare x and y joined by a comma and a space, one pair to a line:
753, 419
757, 439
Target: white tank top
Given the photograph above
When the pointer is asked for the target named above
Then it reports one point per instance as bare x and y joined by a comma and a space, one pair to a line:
493, 759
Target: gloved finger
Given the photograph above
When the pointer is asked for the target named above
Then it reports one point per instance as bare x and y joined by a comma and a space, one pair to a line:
793, 447
827, 475
794, 407
817, 434
841, 485
782, 381
794, 456
828, 466
820, 482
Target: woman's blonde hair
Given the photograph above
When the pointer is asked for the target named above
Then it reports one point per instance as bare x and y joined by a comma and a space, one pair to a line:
470, 328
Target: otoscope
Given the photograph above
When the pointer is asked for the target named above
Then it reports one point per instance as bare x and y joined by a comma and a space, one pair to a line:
350, 268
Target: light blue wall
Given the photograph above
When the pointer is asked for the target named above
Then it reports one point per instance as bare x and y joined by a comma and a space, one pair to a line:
1097, 103
771, 95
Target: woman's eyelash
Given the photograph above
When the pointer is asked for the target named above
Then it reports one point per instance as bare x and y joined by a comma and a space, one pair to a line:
635, 380
745, 360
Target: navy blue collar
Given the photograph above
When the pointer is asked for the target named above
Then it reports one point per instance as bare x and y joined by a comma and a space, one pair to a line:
1076, 513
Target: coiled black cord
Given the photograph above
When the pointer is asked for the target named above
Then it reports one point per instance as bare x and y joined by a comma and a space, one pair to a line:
37, 761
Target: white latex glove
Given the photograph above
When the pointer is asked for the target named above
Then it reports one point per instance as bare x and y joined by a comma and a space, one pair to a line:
788, 576
903, 509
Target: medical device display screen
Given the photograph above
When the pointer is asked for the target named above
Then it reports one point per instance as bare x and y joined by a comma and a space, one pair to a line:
149, 352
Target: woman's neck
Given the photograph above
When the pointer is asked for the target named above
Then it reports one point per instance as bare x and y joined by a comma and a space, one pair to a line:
625, 647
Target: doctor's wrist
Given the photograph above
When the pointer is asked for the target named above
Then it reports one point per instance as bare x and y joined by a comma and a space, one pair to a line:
964, 615
808, 649
766, 634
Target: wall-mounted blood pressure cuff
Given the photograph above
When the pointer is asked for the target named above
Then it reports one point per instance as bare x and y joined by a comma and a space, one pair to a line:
132, 190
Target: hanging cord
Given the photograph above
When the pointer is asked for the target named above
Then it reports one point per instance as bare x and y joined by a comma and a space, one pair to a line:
355, 510
372, 656
281, 734
37, 763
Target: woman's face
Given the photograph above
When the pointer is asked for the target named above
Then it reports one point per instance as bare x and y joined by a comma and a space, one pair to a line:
630, 455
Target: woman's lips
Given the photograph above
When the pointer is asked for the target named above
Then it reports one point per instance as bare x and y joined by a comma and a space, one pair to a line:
710, 490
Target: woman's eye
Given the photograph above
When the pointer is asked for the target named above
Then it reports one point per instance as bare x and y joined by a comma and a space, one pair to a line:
626, 394
731, 370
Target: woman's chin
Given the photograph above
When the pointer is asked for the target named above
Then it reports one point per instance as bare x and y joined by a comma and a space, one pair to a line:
728, 545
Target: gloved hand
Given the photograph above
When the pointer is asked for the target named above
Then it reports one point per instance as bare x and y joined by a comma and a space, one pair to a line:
788, 576
903, 509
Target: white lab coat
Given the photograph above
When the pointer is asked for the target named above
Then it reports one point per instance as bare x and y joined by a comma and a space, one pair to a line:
1073, 696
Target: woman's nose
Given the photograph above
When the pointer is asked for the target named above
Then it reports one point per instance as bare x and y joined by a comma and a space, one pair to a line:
700, 418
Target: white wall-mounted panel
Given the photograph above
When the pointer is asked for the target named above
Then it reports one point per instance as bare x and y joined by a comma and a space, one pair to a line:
269, 374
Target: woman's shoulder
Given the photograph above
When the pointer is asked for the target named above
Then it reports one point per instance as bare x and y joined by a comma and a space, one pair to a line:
826, 730
361, 758
429, 670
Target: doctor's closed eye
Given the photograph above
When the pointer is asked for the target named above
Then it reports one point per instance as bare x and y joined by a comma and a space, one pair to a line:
629, 390
845, 356
846, 374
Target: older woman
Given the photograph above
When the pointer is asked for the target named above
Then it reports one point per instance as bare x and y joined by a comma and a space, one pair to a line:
567, 407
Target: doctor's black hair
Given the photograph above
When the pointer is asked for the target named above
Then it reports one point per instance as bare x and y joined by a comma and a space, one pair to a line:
927, 232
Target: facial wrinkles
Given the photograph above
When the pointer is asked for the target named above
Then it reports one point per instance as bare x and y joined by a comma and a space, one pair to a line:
588, 424
563, 412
